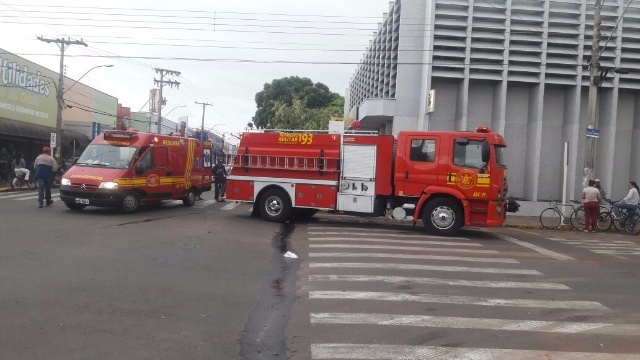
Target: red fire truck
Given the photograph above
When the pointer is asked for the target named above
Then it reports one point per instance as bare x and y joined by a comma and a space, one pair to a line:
126, 168
447, 179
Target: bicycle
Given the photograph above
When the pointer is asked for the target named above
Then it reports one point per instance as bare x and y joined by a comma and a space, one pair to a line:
629, 220
579, 216
552, 217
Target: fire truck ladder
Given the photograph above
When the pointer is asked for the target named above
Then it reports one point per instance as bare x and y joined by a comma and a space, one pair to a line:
286, 162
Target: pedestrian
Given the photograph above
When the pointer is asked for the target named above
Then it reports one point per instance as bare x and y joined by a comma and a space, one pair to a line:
20, 169
45, 171
591, 196
629, 202
220, 178
603, 194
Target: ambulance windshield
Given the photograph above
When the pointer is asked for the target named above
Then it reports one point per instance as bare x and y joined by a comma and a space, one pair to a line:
107, 155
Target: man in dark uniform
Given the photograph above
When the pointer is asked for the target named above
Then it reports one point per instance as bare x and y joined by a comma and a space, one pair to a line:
220, 178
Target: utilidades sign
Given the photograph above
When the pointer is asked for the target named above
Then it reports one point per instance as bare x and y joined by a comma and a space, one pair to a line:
27, 91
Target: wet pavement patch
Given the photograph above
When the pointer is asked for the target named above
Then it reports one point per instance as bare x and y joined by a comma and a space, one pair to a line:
264, 333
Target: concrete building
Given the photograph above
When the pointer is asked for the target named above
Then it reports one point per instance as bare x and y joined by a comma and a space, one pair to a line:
517, 66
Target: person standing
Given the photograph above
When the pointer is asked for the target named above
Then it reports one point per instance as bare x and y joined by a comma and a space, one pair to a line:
629, 202
591, 196
220, 177
45, 171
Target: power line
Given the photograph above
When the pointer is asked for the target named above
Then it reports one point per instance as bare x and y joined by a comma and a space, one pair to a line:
313, 62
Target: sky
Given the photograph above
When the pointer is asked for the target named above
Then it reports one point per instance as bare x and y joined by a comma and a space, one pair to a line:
225, 50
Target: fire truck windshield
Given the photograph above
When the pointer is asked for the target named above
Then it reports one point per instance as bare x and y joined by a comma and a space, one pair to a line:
107, 155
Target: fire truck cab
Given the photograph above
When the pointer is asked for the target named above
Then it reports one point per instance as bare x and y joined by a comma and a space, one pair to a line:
447, 179
126, 168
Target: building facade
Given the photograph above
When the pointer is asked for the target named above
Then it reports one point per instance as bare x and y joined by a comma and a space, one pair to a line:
518, 66
28, 109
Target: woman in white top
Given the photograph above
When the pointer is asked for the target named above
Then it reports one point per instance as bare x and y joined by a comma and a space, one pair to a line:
629, 202
591, 196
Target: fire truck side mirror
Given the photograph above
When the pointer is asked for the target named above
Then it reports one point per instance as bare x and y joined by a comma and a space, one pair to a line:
486, 152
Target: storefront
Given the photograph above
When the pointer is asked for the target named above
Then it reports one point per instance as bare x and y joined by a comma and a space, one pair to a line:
28, 109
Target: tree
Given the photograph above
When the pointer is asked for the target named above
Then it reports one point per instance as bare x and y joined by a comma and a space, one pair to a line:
299, 116
281, 94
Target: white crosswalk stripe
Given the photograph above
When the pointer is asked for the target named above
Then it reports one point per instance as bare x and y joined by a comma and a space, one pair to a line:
615, 247
362, 287
476, 323
408, 256
379, 352
432, 281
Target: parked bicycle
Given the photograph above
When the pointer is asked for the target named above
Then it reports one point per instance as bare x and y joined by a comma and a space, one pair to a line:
629, 220
553, 216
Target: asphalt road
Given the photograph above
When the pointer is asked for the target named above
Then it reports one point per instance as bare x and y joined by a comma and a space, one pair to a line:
210, 282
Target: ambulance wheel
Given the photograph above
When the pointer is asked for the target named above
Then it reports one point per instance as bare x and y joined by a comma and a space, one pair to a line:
304, 213
275, 206
190, 198
74, 206
130, 203
442, 216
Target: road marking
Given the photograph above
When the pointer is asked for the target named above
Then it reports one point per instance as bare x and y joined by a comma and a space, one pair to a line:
617, 252
610, 247
460, 300
421, 257
206, 203
421, 242
378, 352
424, 267
539, 249
13, 195
230, 206
391, 235
29, 198
476, 323
433, 281
347, 246
382, 231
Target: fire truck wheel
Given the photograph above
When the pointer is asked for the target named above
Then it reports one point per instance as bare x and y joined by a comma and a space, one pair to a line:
275, 206
74, 206
190, 198
442, 217
130, 203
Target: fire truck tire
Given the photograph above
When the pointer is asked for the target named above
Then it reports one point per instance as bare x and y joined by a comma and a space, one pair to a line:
130, 203
190, 198
304, 213
443, 216
74, 206
275, 206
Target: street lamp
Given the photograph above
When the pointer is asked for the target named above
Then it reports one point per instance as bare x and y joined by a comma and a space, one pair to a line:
60, 100
85, 74
179, 106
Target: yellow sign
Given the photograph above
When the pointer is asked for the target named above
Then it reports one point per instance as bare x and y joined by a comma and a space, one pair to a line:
295, 138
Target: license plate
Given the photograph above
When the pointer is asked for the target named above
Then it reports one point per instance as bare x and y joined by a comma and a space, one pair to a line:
82, 201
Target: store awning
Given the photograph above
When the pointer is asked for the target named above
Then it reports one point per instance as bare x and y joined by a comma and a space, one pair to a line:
32, 131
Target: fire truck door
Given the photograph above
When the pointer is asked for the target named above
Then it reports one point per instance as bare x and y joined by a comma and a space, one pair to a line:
467, 169
358, 178
420, 168
153, 167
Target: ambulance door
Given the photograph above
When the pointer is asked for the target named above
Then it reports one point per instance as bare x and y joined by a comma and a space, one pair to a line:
154, 173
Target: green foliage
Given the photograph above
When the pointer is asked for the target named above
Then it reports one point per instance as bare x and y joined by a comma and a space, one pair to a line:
282, 100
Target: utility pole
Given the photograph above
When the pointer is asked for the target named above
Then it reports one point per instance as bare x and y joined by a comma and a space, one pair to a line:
596, 79
62, 44
161, 83
203, 108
